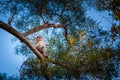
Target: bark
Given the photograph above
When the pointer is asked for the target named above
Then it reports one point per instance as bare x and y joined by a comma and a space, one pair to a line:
22, 38
46, 25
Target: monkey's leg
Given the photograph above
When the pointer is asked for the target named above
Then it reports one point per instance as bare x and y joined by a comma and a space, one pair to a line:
44, 52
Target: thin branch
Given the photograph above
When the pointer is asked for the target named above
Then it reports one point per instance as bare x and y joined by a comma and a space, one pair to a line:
46, 25
67, 66
13, 13
11, 19
43, 18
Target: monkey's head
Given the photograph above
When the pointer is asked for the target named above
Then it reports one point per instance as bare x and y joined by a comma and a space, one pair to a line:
39, 38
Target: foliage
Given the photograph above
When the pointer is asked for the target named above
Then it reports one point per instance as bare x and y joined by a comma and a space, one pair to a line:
110, 5
87, 48
4, 76
30, 69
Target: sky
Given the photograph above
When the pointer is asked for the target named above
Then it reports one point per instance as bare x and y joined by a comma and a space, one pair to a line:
9, 61
102, 17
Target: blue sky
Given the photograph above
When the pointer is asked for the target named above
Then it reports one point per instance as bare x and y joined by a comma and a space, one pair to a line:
10, 62
101, 17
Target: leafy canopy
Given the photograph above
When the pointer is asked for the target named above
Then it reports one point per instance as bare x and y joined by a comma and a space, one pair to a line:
83, 45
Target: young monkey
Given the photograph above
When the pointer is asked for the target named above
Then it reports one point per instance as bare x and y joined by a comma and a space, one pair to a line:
41, 46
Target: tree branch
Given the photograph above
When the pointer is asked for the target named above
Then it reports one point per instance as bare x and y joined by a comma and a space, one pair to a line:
67, 66
21, 37
35, 51
46, 25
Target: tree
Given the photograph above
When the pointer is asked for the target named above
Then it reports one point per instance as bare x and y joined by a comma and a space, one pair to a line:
75, 52
4, 76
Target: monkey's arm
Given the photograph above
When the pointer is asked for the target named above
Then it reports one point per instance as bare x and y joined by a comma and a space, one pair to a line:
37, 44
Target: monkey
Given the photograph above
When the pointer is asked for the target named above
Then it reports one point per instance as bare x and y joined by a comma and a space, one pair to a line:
41, 46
